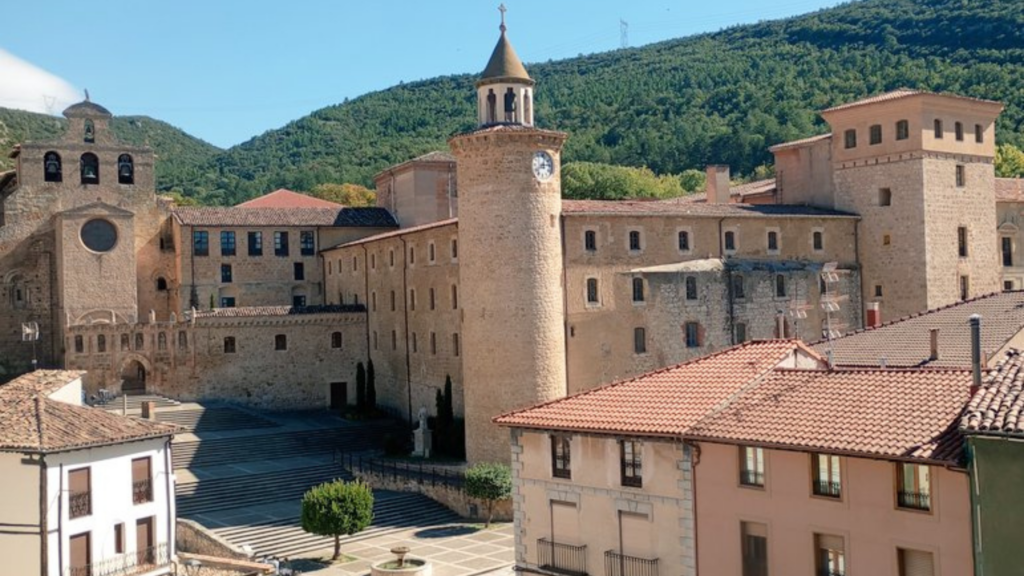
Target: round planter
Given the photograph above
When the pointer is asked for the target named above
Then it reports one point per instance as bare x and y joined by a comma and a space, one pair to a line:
412, 567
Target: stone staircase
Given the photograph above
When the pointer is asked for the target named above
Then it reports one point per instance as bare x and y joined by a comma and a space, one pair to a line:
135, 402
392, 511
246, 484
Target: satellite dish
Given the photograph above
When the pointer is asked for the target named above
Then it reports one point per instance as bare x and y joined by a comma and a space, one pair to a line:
29, 331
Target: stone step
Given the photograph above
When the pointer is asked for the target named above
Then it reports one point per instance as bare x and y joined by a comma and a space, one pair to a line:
135, 402
393, 511
247, 490
213, 452
215, 419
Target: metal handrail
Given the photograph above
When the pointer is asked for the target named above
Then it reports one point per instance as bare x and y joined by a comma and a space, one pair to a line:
562, 558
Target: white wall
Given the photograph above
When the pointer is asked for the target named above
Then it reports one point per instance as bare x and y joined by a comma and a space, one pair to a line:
71, 393
111, 486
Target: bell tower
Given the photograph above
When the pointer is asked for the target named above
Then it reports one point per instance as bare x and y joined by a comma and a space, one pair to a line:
510, 268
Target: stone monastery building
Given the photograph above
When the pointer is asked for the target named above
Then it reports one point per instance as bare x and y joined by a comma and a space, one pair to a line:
472, 266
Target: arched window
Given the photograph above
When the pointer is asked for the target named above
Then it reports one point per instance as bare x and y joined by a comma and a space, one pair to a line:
161, 284
52, 171
125, 170
90, 169
510, 105
182, 340
90, 132
492, 107
124, 342
335, 339
638, 290
140, 341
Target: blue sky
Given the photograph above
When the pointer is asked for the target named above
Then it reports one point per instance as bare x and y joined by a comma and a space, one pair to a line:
228, 71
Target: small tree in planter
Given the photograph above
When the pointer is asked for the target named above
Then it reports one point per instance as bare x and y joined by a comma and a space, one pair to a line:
360, 387
490, 483
337, 509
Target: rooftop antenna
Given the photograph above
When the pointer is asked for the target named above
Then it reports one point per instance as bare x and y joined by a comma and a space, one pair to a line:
623, 33
86, 94
831, 304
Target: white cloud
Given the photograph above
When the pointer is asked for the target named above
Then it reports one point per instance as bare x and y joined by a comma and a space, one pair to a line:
27, 87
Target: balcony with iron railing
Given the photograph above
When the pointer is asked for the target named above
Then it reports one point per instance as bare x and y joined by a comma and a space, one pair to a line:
79, 504
562, 558
616, 564
751, 478
827, 488
130, 564
914, 500
142, 491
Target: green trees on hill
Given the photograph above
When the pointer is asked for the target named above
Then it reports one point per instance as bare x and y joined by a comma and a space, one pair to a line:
606, 182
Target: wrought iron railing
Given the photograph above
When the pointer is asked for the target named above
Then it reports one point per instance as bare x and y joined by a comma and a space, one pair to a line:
915, 500
142, 561
562, 558
616, 564
79, 504
827, 488
751, 478
142, 491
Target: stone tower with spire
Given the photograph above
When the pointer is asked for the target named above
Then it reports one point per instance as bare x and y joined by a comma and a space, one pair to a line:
510, 266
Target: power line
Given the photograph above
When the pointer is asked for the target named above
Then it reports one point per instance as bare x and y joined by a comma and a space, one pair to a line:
623, 33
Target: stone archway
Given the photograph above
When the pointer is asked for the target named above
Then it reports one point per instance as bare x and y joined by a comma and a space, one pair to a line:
135, 371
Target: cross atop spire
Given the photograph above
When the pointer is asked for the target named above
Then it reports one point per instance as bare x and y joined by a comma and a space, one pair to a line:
87, 95
502, 9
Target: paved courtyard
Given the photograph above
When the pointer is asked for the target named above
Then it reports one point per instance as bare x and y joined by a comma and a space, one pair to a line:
453, 549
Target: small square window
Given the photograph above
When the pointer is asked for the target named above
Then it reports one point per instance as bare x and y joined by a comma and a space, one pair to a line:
885, 197
634, 240
590, 241
229, 345
850, 138
227, 301
280, 342
902, 130
1007, 285
298, 300
878, 290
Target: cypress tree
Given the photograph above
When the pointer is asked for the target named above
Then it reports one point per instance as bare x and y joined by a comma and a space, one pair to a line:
371, 387
449, 407
360, 387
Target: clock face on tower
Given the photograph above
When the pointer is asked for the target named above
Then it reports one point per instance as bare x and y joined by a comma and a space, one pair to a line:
543, 166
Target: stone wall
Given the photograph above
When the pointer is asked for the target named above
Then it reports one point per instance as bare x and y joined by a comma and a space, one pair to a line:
453, 498
193, 538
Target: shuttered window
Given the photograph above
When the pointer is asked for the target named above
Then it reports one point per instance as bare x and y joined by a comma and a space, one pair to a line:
79, 493
142, 484
916, 563
754, 547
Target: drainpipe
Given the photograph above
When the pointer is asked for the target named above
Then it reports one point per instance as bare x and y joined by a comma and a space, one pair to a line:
44, 522
168, 471
60, 521
405, 313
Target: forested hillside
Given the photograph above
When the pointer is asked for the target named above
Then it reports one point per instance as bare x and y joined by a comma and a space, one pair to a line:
672, 106
179, 155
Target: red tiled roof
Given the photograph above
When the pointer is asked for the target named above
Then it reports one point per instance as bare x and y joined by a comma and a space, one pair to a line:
907, 341
258, 311
998, 407
695, 209
35, 423
283, 198
889, 413
664, 402
332, 217
1009, 190
900, 93
736, 193
400, 232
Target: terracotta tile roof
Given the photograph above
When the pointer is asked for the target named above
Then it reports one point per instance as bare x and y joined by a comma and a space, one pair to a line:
898, 94
664, 402
1007, 190
329, 217
695, 209
35, 423
998, 407
736, 193
283, 198
400, 232
258, 311
801, 142
889, 413
907, 341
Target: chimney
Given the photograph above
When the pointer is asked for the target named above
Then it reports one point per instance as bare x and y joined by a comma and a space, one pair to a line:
975, 322
934, 355
874, 315
717, 186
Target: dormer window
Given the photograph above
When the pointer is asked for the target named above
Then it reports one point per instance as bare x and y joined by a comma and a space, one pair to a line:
125, 170
90, 132
52, 171
90, 169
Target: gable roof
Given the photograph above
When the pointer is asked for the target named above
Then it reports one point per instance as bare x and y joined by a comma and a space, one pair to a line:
35, 423
998, 407
328, 217
907, 341
284, 198
901, 93
665, 402
399, 232
890, 413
